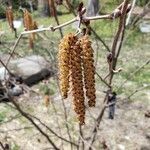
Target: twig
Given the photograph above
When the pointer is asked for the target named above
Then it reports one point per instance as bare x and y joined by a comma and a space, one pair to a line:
74, 144
70, 7
13, 49
81, 135
53, 9
103, 80
130, 76
129, 15
48, 128
94, 131
99, 38
5, 67
2, 146
57, 120
65, 114
119, 34
65, 24
35, 125
113, 15
137, 90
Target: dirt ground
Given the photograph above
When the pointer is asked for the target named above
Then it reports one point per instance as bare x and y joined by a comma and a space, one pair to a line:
130, 130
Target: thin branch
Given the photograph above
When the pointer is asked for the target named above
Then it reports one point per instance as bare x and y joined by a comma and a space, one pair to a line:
98, 17
119, 34
74, 144
13, 49
65, 114
124, 8
115, 14
100, 39
81, 135
5, 67
137, 90
70, 7
35, 125
54, 13
130, 76
48, 128
2, 146
57, 120
103, 80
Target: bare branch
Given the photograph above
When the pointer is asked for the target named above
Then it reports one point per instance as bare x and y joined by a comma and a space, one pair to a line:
120, 34
130, 76
103, 80
2, 146
137, 90
35, 125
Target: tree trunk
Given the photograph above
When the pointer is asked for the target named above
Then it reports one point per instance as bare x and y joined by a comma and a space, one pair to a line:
44, 7
93, 7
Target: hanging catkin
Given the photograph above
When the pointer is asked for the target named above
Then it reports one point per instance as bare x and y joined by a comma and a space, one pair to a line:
10, 17
89, 69
64, 63
77, 81
27, 19
69, 63
29, 24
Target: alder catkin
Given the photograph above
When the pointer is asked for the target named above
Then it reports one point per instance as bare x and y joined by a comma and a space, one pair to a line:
88, 69
29, 24
77, 81
64, 63
27, 19
46, 100
10, 17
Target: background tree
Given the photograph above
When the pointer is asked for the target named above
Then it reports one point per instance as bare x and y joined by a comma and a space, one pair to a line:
93, 7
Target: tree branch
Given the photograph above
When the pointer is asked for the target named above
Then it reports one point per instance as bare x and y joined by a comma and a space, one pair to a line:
35, 125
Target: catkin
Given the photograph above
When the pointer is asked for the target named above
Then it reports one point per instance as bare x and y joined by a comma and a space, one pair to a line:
27, 19
88, 69
46, 100
77, 81
29, 24
10, 17
64, 63
76, 65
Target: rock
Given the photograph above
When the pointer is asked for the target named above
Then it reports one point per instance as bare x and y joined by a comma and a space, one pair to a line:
147, 136
3, 73
28, 66
145, 147
147, 114
35, 78
121, 147
25, 67
16, 91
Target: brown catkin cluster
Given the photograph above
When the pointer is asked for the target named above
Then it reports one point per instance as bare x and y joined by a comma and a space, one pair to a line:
77, 81
27, 19
64, 62
10, 17
29, 24
89, 69
76, 65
